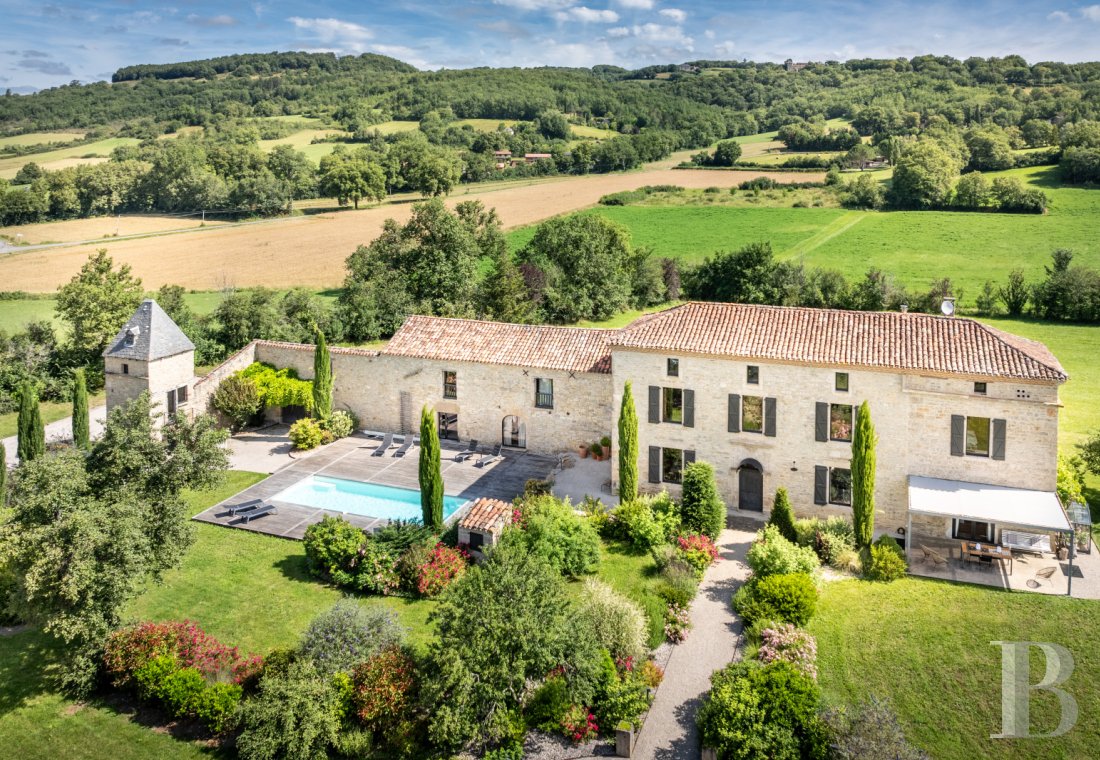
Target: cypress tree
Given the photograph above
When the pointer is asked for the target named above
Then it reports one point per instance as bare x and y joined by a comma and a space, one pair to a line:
864, 441
3, 476
32, 434
628, 447
81, 434
782, 516
701, 508
322, 379
431, 474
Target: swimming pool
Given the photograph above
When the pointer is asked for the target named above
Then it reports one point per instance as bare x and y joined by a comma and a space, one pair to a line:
357, 498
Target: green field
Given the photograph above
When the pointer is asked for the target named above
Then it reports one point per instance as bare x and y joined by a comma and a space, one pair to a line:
40, 138
58, 159
925, 646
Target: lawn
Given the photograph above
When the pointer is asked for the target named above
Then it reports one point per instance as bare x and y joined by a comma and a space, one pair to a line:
51, 412
925, 645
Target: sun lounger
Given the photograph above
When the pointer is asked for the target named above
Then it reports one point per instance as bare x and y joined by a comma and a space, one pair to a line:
405, 446
491, 457
469, 451
244, 506
267, 509
383, 447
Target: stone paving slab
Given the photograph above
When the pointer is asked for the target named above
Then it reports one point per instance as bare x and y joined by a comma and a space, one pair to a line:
351, 458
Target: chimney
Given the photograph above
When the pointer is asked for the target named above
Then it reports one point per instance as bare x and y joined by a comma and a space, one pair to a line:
904, 308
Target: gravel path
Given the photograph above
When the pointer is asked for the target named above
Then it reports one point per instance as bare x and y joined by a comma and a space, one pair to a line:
62, 430
669, 731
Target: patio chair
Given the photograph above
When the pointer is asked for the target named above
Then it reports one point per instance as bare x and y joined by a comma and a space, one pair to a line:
491, 457
267, 509
244, 506
1043, 574
469, 451
387, 442
405, 446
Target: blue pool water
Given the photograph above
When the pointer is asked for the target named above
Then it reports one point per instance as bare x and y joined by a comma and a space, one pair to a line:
368, 499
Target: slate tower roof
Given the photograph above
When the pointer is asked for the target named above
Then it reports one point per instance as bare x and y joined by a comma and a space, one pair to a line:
148, 335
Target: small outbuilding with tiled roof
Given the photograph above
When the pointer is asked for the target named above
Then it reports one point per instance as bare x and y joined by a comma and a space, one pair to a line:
484, 523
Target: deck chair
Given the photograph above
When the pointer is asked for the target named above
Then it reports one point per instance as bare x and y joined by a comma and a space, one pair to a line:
1043, 574
469, 451
387, 442
491, 457
244, 506
405, 446
267, 509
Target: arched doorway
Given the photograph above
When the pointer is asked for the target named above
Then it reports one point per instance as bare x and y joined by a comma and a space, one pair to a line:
750, 486
513, 433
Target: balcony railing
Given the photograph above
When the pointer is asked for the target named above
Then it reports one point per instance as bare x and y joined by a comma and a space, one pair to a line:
450, 390
544, 400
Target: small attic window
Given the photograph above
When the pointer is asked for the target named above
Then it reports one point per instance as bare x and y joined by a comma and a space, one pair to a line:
131, 335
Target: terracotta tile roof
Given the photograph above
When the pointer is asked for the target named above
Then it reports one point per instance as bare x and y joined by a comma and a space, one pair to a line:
574, 349
485, 514
888, 340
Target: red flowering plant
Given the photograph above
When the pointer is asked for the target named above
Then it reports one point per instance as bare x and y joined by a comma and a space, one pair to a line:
625, 664
443, 565
129, 649
579, 724
697, 551
383, 689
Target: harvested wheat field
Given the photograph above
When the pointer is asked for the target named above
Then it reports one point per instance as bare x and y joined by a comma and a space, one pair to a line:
311, 250
106, 227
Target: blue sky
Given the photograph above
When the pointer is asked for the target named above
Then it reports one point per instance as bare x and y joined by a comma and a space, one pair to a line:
50, 43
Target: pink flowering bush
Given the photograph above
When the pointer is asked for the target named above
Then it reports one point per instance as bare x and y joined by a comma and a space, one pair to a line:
698, 551
677, 623
443, 565
790, 644
579, 725
129, 649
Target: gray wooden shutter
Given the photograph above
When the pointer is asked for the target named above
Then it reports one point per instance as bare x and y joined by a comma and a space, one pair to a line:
958, 435
654, 464
733, 416
689, 408
654, 403
821, 422
769, 417
998, 451
689, 457
821, 485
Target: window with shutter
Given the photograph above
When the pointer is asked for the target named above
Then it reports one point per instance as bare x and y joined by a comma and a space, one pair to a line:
733, 414
999, 430
689, 457
654, 403
654, 464
821, 485
821, 422
958, 435
689, 408
769, 417
672, 465
752, 414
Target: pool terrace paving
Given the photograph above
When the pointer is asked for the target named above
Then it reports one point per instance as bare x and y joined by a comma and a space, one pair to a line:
352, 458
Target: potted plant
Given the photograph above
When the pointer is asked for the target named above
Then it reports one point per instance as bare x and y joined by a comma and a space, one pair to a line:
597, 451
583, 450
605, 442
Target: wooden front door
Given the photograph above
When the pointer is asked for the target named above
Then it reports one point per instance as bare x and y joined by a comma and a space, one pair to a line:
750, 489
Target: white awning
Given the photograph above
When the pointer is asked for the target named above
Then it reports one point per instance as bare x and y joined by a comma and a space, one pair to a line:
1039, 510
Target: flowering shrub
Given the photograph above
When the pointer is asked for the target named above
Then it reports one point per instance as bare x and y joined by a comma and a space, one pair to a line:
771, 554
346, 634
651, 674
383, 688
443, 566
624, 665
579, 725
677, 623
340, 423
129, 649
306, 434
791, 644
698, 551
375, 570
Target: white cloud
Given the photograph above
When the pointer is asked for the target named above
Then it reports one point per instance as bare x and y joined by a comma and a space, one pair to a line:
675, 14
587, 15
725, 48
535, 5
211, 21
709, 34
635, 5
403, 53
661, 33
1091, 12
1058, 16
618, 31
343, 36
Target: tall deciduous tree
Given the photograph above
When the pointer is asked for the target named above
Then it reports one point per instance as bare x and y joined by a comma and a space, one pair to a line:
81, 432
97, 302
431, 475
32, 433
864, 441
628, 447
322, 379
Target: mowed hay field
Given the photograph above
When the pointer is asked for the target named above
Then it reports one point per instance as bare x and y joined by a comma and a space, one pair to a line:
92, 152
106, 227
40, 138
311, 250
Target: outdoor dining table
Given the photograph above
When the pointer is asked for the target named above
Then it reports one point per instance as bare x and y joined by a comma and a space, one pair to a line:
992, 551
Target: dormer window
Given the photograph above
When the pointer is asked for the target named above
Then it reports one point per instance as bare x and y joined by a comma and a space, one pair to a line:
131, 335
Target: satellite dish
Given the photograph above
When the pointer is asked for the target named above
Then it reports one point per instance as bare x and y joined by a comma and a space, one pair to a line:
948, 307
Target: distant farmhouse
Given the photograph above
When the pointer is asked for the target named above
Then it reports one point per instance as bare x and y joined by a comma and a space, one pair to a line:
791, 66
966, 415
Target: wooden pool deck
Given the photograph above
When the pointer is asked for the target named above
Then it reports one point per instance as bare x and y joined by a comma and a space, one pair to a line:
352, 458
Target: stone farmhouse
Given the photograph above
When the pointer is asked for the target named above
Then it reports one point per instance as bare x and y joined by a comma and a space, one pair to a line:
966, 415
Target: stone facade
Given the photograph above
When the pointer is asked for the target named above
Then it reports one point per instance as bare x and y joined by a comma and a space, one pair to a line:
912, 416
126, 379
